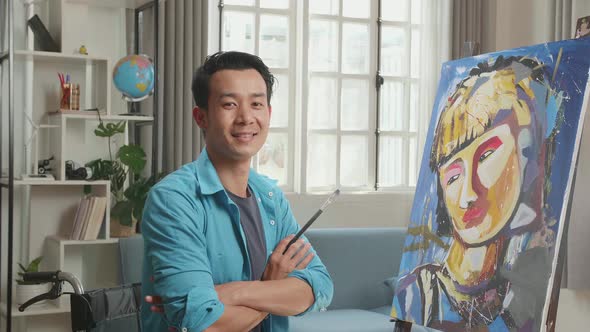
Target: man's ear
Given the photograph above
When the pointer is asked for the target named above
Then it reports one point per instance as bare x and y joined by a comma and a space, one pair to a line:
269, 110
200, 117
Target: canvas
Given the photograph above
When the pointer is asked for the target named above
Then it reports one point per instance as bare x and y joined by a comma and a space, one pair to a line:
491, 200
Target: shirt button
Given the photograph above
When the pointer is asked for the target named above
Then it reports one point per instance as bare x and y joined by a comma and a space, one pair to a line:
184, 329
272, 222
270, 194
259, 199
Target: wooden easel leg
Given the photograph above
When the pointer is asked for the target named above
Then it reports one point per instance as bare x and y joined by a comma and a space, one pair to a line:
401, 326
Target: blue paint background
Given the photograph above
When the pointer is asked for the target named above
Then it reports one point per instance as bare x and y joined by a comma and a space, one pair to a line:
571, 78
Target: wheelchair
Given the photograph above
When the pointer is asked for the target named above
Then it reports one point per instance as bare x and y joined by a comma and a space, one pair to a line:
114, 309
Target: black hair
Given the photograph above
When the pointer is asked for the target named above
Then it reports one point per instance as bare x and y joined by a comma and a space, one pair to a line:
227, 60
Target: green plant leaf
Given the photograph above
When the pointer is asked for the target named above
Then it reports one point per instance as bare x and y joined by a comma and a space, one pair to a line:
34, 264
24, 269
122, 211
110, 129
133, 157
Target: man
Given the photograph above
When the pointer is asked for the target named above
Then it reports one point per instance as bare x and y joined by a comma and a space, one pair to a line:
215, 230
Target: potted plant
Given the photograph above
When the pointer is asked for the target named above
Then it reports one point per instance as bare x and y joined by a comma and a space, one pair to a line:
129, 162
27, 290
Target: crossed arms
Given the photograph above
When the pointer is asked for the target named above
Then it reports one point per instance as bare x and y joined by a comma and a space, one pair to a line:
177, 258
247, 303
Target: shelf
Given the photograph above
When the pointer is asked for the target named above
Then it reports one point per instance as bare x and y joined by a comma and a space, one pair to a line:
4, 182
59, 57
92, 116
67, 242
132, 4
36, 310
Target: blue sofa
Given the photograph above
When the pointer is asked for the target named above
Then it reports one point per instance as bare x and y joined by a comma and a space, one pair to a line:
361, 261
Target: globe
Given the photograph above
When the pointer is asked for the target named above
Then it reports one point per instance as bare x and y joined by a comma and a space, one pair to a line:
133, 76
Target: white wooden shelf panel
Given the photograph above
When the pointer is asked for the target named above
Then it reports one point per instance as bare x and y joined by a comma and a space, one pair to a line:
50, 308
66, 242
59, 57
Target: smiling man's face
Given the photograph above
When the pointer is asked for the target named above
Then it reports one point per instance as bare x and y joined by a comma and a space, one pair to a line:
238, 115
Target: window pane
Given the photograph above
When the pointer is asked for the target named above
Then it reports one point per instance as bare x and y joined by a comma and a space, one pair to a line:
414, 106
415, 53
390, 161
354, 161
355, 48
416, 11
238, 31
393, 51
323, 45
327, 7
394, 10
321, 160
239, 2
274, 40
392, 106
322, 109
355, 104
279, 4
413, 162
356, 8
272, 158
280, 102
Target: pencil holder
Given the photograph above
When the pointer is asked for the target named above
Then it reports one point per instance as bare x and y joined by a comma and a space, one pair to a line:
65, 96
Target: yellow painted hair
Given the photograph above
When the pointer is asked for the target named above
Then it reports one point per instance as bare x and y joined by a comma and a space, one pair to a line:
472, 108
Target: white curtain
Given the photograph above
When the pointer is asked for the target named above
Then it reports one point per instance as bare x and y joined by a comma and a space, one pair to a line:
436, 49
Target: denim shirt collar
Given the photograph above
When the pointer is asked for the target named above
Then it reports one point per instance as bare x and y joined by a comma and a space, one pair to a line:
210, 183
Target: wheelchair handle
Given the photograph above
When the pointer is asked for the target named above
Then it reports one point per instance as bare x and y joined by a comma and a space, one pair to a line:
55, 276
40, 277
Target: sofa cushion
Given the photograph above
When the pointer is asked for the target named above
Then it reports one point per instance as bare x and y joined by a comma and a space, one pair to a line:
359, 260
344, 320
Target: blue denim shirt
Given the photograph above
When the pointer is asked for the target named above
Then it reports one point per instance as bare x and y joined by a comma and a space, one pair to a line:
194, 241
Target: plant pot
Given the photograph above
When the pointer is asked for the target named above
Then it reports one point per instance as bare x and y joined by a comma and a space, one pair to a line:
27, 292
118, 230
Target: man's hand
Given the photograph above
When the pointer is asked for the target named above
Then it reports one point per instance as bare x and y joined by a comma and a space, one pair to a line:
155, 303
297, 257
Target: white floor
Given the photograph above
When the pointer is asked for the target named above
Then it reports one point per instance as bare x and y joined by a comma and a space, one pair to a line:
573, 312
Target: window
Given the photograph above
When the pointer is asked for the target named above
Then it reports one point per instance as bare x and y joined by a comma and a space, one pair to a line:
335, 127
265, 28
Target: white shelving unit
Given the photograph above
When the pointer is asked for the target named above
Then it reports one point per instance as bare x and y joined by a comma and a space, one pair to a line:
45, 209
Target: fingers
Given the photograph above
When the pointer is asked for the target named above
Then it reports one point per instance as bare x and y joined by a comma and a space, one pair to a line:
153, 299
304, 249
157, 309
294, 248
156, 303
303, 264
283, 245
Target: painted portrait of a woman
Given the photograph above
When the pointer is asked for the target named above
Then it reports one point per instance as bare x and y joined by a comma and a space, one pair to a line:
491, 157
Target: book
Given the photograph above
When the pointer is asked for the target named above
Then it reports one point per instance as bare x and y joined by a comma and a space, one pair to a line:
96, 218
42, 36
79, 218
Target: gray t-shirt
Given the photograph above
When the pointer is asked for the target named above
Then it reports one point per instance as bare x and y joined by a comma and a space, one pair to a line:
252, 225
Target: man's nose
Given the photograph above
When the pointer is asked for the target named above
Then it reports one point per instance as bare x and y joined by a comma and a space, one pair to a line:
245, 115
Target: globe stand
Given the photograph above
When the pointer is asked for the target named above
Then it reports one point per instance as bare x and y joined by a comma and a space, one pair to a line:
132, 109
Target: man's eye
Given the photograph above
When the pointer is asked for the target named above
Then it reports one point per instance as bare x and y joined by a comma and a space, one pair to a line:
257, 104
485, 155
229, 105
452, 179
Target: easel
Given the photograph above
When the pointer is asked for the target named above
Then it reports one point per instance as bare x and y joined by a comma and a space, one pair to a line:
401, 326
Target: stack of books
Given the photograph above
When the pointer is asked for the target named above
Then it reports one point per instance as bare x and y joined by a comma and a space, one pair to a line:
89, 217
